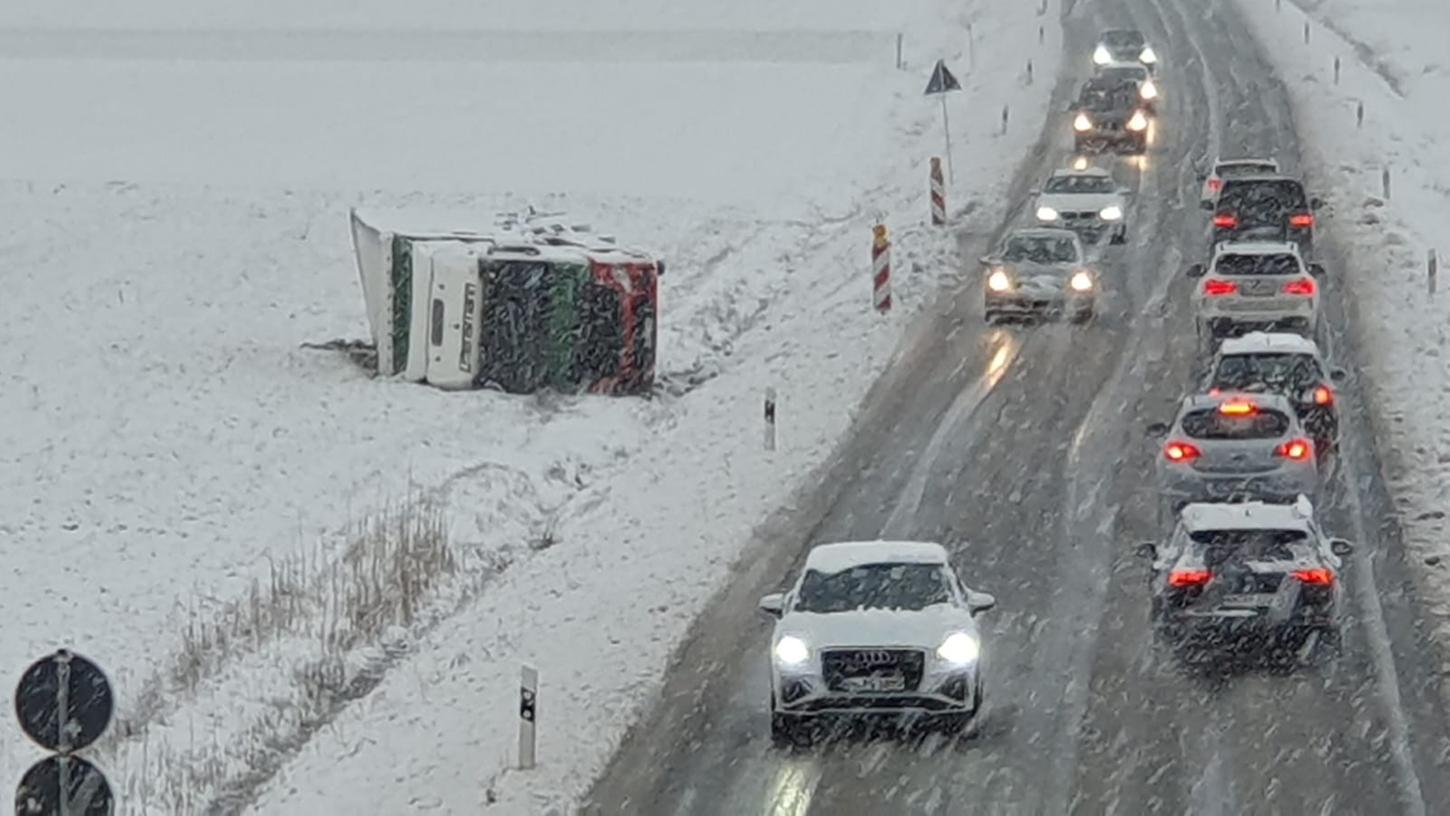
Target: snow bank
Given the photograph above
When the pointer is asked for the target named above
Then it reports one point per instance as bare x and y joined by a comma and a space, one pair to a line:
1391, 55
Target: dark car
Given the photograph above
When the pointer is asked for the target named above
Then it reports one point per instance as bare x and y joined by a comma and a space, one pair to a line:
1135, 76
1264, 208
1109, 116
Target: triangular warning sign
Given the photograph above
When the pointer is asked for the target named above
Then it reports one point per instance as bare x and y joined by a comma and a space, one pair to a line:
942, 80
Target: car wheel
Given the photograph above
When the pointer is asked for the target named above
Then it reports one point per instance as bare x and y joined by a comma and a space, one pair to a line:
788, 732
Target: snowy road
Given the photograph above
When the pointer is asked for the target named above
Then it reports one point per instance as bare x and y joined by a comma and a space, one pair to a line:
1023, 450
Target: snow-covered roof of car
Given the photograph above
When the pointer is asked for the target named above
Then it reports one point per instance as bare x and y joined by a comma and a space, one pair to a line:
848, 554
1248, 516
1222, 162
1257, 248
1267, 342
1276, 402
1095, 172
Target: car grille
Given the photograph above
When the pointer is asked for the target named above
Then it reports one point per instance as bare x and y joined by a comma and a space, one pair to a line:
1080, 218
839, 664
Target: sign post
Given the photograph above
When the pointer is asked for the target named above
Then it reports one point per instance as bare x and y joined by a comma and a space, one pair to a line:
941, 83
64, 704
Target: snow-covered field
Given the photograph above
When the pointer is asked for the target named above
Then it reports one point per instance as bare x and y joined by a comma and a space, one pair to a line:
175, 229
1393, 62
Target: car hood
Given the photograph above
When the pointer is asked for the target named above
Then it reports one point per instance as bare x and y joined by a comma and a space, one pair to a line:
1075, 202
925, 629
1032, 271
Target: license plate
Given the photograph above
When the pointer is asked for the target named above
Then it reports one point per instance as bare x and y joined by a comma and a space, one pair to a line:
880, 682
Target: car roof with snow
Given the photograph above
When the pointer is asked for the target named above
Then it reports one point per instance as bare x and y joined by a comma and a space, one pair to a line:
1269, 343
1068, 172
849, 554
1256, 248
1270, 401
1203, 517
1246, 161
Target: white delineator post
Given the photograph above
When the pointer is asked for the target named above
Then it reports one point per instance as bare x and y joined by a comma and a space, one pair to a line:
1432, 268
881, 268
938, 194
770, 419
528, 702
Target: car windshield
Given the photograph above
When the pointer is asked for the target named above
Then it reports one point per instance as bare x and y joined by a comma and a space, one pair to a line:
1218, 547
1041, 249
1285, 373
1123, 74
1211, 423
1079, 184
1280, 264
1104, 98
1123, 39
1263, 200
1243, 170
874, 586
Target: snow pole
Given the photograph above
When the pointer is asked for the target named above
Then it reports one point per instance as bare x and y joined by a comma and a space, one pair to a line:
881, 268
938, 194
770, 419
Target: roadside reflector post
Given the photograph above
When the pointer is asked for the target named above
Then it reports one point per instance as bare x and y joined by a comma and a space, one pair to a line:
1385, 181
528, 712
881, 268
770, 419
1029, 72
971, 49
1336, 70
1278, 5
1306, 32
1359, 115
938, 194
1041, 35
1005, 114
899, 38
1432, 267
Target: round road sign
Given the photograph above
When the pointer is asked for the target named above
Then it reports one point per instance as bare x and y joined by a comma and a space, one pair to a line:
86, 789
64, 702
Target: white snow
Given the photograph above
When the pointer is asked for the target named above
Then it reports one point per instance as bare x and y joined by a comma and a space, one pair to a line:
837, 557
1392, 62
176, 227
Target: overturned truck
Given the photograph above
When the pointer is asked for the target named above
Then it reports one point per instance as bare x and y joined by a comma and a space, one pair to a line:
515, 310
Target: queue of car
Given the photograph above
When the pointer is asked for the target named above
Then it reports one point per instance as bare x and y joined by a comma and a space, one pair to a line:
889, 628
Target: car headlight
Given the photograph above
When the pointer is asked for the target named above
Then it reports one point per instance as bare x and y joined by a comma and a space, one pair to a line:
1080, 163
1101, 55
1148, 90
959, 649
999, 280
1082, 122
791, 651
1081, 282
1147, 57
1138, 122
1046, 214
1112, 212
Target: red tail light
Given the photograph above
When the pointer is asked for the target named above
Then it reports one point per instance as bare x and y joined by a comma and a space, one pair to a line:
1301, 220
1318, 576
1215, 184
1296, 449
1189, 577
1323, 396
1300, 286
1181, 451
1214, 287
1225, 221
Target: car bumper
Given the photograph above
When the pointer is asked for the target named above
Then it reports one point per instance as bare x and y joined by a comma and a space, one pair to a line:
1111, 139
1039, 302
942, 692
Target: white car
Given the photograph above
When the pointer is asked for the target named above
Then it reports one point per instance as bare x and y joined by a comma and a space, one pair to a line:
1124, 45
1255, 286
1087, 201
875, 628
1288, 365
1039, 272
1232, 168
1235, 447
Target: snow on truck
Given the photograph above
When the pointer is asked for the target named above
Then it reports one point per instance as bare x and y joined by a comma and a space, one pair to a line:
522, 308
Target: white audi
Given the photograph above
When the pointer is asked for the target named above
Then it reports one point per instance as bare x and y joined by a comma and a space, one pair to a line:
875, 628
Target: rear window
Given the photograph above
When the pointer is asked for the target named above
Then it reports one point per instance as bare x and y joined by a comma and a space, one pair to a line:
1124, 74
1268, 195
1221, 546
1240, 170
1284, 264
1210, 423
1108, 98
1281, 372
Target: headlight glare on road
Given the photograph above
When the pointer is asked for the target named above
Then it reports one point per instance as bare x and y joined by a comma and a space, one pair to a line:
1112, 212
1147, 57
959, 649
1139, 122
999, 281
1101, 56
791, 651
1046, 214
1082, 122
1148, 90
1081, 282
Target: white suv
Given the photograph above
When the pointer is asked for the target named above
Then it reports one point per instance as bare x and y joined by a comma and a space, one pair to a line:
1258, 286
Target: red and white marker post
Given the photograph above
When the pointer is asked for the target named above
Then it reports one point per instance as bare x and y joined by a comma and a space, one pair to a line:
938, 194
881, 268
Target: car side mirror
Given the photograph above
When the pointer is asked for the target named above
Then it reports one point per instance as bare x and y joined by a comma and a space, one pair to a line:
1317, 270
1147, 549
1341, 547
1157, 429
1205, 205
1196, 271
1316, 203
1338, 375
773, 605
979, 602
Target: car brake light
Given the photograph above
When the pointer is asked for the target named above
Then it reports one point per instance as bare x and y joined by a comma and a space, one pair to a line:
1296, 449
1215, 184
1226, 221
1237, 408
1318, 576
1214, 287
1189, 577
1300, 286
1181, 451
1323, 396
1301, 220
